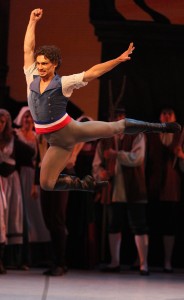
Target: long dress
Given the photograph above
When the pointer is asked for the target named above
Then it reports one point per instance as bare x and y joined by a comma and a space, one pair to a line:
12, 190
3, 206
37, 231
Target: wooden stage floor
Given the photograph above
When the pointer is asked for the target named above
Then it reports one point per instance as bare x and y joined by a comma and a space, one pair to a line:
90, 285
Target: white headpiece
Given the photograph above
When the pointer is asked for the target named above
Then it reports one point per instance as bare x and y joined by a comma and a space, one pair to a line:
18, 119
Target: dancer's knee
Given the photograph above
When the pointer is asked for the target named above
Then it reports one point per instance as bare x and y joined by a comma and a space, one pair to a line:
47, 184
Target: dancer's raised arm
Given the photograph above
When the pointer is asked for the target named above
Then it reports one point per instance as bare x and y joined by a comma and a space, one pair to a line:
100, 69
29, 40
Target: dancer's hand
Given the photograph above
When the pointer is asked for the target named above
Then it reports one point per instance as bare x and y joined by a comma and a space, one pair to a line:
29, 40
126, 55
36, 14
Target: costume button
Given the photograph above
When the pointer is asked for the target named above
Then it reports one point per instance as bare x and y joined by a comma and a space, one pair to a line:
49, 111
52, 118
49, 104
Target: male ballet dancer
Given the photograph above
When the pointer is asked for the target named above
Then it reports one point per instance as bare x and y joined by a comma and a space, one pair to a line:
47, 99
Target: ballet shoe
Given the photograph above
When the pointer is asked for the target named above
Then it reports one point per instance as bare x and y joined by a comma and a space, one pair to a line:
135, 126
91, 185
73, 183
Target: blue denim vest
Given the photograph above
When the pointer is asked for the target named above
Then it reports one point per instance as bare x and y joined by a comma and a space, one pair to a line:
49, 106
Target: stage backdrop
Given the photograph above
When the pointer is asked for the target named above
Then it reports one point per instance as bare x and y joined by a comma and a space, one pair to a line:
69, 25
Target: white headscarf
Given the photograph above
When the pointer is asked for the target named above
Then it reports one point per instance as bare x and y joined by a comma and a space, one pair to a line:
18, 119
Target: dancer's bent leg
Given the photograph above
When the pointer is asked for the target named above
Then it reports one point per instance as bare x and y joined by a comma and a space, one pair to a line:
55, 160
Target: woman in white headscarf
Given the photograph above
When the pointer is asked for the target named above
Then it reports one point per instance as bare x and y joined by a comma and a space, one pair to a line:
13, 153
35, 230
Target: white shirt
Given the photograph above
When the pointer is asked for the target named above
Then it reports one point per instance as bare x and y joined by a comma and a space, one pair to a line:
69, 83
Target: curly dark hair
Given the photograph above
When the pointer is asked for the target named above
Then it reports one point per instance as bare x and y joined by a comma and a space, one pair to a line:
51, 52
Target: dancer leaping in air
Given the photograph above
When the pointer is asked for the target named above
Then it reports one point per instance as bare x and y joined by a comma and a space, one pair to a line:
48, 95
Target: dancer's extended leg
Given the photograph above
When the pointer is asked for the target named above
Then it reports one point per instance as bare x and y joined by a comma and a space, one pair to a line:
91, 130
76, 132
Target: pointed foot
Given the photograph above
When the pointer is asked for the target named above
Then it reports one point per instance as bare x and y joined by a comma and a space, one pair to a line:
172, 127
91, 185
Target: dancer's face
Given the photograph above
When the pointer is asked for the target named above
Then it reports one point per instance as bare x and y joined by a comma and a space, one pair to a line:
45, 68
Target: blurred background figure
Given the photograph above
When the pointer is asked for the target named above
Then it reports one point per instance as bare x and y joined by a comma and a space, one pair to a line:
13, 154
53, 205
2, 222
82, 248
34, 227
164, 184
121, 161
